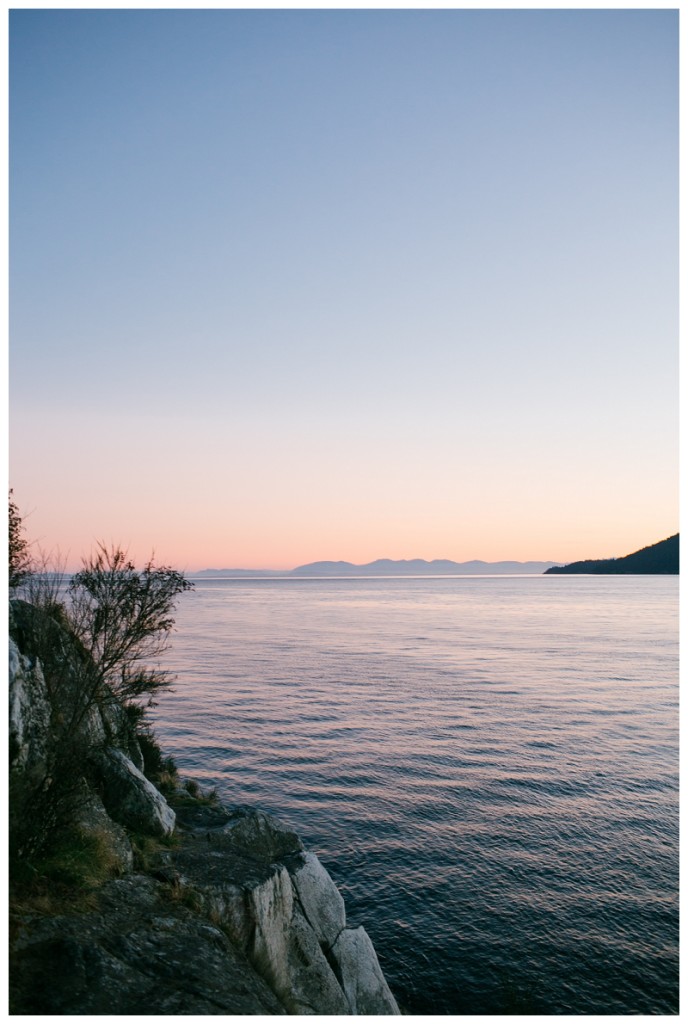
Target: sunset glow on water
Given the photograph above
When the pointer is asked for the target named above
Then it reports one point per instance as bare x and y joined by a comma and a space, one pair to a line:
487, 766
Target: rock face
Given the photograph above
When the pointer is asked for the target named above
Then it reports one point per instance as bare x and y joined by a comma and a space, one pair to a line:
29, 712
319, 897
233, 917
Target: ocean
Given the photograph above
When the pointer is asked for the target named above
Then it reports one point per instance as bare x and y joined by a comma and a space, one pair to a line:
487, 767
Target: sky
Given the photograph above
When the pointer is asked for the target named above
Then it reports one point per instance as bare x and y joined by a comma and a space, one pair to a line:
290, 285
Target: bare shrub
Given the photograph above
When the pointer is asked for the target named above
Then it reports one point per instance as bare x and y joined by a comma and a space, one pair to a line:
97, 639
123, 618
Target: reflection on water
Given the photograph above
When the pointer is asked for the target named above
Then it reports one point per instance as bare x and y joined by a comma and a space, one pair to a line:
487, 766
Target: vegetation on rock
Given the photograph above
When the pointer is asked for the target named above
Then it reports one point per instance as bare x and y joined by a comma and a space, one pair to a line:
118, 871
20, 562
84, 671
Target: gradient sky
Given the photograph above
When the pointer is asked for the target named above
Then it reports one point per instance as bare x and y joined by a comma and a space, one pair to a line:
299, 285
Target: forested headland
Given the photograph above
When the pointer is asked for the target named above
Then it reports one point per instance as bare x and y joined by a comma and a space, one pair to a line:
661, 559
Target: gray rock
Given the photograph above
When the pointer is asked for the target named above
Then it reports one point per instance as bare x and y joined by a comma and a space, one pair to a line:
266, 913
286, 950
194, 815
362, 979
29, 711
321, 900
67, 669
261, 836
130, 798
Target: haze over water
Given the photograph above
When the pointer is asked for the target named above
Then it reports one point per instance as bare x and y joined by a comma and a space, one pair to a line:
488, 767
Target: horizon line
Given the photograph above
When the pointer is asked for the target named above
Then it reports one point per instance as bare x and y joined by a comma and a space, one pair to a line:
374, 561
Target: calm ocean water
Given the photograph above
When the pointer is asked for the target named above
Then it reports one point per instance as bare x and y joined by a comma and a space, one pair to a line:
487, 766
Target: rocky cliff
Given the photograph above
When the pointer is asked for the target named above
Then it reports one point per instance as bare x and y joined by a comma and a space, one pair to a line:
226, 914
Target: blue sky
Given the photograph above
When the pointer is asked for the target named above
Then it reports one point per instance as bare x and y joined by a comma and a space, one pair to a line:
289, 285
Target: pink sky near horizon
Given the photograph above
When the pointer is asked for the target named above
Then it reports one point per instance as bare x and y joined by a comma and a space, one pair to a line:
278, 506
66, 545
293, 285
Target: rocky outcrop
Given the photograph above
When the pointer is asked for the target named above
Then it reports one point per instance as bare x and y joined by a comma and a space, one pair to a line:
285, 913
233, 916
217, 926
140, 951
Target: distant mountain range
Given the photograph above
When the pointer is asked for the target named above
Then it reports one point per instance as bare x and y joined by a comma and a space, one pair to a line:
661, 559
392, 567
419, 567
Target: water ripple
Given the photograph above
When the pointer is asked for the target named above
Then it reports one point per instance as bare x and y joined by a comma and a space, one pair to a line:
487, 767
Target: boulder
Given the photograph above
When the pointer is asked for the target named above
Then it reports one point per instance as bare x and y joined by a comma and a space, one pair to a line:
130, 798
67, 668
196, 815
260, 836
361, 976
312, 986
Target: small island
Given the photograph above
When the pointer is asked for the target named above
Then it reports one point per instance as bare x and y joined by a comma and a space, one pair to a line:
661, 559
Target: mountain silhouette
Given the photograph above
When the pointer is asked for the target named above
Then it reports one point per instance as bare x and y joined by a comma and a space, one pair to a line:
419, 567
